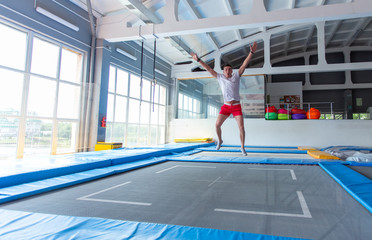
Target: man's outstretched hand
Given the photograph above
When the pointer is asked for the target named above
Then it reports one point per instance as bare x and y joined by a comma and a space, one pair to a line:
194, 56
253, 47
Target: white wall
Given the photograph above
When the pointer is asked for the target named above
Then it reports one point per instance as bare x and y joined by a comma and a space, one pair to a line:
278, 90
315, 133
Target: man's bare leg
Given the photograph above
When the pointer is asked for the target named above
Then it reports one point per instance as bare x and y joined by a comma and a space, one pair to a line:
240, 120
220, 120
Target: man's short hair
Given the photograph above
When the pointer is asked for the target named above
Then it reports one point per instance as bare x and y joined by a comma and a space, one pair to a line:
226, 65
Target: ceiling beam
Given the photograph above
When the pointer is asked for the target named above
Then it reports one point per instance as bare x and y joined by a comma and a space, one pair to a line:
309, 36
332, 33
231, 13
196, 15
286, 42
288, 70
119, 31
363, 23
176, 41
145, 11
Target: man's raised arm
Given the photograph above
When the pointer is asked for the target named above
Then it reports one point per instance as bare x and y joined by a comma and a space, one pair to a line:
204, 65
247, 59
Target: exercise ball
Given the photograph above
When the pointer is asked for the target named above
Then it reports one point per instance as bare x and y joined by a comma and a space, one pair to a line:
298, 111
298, 116
271, 116
271, 109
313, 113
283, 116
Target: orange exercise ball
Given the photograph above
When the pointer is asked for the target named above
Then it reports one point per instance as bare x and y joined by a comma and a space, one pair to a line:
313, 113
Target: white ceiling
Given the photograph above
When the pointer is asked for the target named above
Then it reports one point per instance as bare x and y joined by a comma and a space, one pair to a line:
294, 35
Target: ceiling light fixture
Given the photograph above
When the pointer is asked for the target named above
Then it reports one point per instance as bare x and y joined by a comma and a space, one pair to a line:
160, 72
56, 18
121, 51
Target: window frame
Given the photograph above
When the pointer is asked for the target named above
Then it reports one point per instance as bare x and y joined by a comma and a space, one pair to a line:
139, 125
23, 116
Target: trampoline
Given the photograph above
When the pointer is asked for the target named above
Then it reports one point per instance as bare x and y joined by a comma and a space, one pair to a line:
286, 201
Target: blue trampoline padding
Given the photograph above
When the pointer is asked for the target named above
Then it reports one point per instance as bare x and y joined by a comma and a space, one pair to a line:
362, 164
37, 175
175, 146
252, 160
249, 146
28, 189
55, 166
359, 186
292, 151
25, 225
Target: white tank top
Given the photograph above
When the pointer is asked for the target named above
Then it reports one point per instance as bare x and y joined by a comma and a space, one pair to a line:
229, 86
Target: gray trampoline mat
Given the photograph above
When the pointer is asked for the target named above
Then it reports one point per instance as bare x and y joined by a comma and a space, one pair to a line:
281, 200
265, 155
259, 148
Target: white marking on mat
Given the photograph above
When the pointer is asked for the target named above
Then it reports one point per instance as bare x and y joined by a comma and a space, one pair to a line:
115, 201
303, 204
284, 169
88, 197
305, 210
167, 169
190, 166
214, 181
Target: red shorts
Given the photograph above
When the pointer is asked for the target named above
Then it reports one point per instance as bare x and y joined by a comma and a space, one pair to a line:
235, 110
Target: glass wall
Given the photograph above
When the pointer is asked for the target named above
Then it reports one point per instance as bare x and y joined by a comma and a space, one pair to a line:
202, 98
39, 95
135, 116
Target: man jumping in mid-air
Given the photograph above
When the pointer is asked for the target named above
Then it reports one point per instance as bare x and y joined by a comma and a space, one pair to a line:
229, 82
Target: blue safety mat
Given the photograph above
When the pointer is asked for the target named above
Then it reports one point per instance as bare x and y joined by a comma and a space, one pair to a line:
28, 189
19, 172
359, 186
248, 150
24, 225
362, 164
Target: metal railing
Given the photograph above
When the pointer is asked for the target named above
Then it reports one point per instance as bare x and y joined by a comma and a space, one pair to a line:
323, 107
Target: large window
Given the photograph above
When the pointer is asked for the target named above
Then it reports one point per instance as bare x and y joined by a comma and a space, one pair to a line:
188, 107
39, 94
212, 111
136, 116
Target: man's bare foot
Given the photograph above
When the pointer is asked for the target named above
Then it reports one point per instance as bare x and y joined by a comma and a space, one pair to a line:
243, 152
219, 143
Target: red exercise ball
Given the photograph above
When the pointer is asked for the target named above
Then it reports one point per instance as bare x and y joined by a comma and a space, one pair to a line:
271, 109
283, 111
298, 111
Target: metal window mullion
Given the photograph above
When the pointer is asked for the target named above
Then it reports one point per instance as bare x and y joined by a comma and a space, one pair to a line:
157, 120
114, 106
25, 92
166, 115
127, 112
54, 120
157, 124
157, 136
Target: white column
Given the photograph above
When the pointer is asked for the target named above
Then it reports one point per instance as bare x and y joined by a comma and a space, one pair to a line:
321, 43
266, 39
348, 80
